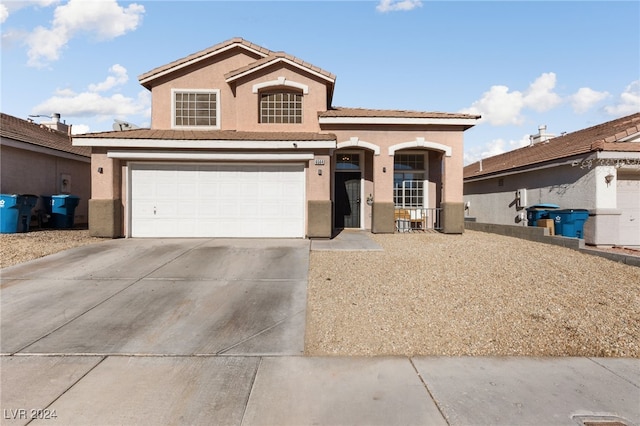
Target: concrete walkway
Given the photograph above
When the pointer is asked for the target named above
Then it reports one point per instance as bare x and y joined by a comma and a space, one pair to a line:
191, 332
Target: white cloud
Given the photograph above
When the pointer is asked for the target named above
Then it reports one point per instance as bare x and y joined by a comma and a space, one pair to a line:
540, 96
494, 147
9, 7
93, 104
585, 98
118, 78
87, 104
629, 101
4, 13
103, 19
499, 106
395, 5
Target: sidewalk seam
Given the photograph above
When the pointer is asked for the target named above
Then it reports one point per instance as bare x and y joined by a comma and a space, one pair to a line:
613, 372
253, 382
429, 391
70, 386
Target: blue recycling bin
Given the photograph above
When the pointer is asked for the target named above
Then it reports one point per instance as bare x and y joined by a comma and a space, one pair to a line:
15, 212
9, 213
61, 209
540, 211
570, 222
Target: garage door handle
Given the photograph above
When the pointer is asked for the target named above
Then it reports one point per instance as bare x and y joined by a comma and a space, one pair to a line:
154, 210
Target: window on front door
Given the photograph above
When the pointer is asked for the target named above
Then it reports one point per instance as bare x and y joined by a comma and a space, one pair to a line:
409, 181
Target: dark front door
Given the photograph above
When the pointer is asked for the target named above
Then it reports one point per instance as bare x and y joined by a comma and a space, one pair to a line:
347, 193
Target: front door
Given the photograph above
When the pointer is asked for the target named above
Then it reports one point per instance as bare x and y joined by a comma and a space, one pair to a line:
347, 190
347, 200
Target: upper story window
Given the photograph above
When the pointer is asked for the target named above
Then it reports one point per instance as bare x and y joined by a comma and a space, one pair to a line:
281, 107
196, 108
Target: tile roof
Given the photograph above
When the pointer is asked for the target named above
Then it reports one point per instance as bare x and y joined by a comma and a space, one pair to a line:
274, 57
362, 112
201, 55
25, 131
607, 136
167, 134
267, 56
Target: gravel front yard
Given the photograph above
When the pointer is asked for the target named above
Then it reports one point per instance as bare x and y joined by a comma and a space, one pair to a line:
22, 247
433, 294
474, 294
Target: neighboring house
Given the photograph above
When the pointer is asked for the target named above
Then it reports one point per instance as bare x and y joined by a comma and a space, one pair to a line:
244, 142
39, 159
597, 169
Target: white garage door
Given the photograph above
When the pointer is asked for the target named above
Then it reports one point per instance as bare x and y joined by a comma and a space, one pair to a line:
628, 187
173, 200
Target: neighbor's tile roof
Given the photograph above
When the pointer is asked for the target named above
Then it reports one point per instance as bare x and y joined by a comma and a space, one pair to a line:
24, 131
362, 112
603, 137
167, 134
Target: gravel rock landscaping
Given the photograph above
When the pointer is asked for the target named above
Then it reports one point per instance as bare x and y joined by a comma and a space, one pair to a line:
474, 294
22, 247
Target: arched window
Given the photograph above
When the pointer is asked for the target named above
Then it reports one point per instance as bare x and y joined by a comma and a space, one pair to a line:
280, 106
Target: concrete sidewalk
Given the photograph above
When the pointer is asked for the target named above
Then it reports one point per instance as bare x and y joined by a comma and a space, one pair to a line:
295, 390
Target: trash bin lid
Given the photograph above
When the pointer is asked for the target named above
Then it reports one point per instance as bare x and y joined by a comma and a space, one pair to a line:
545, 206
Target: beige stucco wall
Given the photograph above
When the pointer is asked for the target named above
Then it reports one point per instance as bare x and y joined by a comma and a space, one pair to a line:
28, 172
207, 74
238, 104
386, 137
247, 102
105, 185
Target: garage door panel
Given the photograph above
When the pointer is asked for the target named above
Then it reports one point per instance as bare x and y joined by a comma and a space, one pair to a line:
217, 200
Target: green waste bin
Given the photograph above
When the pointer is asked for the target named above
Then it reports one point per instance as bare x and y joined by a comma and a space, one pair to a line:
570, 222
61, 209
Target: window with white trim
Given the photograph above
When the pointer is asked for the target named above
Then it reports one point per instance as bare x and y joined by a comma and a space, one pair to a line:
409, 180
196, 108
281, 107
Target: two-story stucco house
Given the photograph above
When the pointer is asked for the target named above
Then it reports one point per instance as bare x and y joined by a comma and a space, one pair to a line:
244, 142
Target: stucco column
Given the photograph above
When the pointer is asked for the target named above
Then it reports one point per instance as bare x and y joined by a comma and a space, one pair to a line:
319, 204
452, 205
105, 205
382, 209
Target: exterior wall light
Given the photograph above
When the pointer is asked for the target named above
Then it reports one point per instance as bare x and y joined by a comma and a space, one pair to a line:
608, 178
100, 170
319, 172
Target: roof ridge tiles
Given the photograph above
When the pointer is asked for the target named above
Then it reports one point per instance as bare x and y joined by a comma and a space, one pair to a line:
595, 138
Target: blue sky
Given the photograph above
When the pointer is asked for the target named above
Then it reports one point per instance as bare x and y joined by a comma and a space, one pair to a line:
567, 65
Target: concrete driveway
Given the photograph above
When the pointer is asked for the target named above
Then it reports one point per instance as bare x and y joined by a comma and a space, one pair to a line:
159, 297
